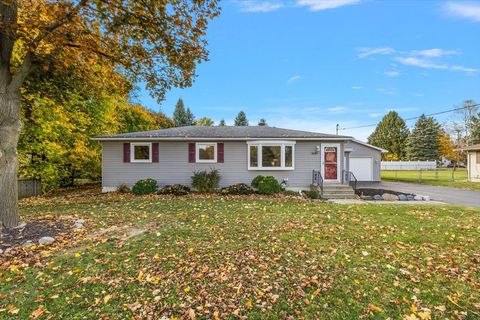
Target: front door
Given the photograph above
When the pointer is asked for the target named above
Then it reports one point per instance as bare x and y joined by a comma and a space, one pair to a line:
330, 162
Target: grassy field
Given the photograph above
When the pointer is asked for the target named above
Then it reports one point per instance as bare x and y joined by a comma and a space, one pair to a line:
439, 177
247, 257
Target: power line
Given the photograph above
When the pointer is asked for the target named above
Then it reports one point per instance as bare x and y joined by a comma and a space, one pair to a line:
413, 118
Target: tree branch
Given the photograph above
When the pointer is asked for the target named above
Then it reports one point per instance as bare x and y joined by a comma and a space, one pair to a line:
21, 74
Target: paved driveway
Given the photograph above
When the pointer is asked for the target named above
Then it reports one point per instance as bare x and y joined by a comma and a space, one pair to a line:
444, 194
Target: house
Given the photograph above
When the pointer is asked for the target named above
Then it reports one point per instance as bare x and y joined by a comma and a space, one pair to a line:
299, 158
473, 162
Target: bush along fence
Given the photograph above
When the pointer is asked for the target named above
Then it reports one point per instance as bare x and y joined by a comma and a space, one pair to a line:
408, 165
29, 187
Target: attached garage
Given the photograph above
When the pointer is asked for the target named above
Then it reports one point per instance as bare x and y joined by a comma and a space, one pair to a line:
365, 160
362, 168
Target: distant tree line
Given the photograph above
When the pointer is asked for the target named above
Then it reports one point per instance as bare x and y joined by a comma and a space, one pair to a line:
428, 140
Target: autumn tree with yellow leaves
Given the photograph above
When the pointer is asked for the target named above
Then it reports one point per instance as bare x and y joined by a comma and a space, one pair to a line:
156, 42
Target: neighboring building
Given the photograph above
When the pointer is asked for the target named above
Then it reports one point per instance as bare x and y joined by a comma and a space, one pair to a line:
473, 162
240, 153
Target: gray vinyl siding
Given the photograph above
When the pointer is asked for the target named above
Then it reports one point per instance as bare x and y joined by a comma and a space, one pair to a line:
360, 150
173, 166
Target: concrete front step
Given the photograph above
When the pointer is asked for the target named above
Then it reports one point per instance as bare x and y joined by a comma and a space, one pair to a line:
338, 191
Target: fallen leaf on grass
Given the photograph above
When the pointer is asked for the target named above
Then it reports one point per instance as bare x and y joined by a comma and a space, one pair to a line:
38, 312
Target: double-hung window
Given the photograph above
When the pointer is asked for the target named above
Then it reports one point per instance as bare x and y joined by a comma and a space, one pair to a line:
140, 152
206, 152
271, 155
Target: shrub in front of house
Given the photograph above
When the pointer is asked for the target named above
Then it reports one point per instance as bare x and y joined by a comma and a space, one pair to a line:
123, 188
175, 189
145, 186
312, 194
256, 181
237, 189
269, 185
204, 181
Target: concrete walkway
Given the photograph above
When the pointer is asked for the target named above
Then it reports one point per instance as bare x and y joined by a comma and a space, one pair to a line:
448, 195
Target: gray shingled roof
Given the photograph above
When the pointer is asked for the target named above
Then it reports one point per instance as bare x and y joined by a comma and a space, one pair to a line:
225, 132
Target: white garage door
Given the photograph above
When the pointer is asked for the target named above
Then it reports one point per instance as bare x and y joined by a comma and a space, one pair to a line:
362, 168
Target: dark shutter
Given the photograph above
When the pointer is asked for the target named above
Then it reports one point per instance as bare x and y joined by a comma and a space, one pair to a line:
191, 152
220, 152
126, 152
155, 152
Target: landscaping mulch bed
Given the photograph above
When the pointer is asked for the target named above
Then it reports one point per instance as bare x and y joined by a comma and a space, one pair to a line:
372, 192
33, 231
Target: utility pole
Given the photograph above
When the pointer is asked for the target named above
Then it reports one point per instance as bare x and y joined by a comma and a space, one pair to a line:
336, 129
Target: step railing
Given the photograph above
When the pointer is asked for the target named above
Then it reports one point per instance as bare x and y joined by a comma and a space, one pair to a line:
349, 178
317, 179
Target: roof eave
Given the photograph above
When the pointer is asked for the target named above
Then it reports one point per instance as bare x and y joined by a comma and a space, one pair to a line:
216, 138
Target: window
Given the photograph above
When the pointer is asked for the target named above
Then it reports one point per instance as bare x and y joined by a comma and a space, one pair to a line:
271, 155
253, 156
206, 152
141, 152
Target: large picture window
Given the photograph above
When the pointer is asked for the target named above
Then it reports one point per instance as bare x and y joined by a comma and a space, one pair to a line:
206, 152
271, 155
141, 152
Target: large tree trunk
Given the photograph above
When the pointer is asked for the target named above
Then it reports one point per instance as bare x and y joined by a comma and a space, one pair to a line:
10, 126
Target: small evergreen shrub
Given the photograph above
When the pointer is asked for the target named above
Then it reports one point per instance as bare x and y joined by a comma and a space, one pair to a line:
204, 181
145, 186
256, 181
312, 194
239, 188
290, 193
175, 189
123, 188
269, 185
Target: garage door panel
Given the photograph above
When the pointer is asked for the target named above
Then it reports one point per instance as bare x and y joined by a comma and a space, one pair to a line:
362, 168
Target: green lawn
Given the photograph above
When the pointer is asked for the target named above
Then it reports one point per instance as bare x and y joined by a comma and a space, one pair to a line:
249, 257
439, 177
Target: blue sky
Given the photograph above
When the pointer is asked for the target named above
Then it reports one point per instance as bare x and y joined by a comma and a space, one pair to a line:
310, 64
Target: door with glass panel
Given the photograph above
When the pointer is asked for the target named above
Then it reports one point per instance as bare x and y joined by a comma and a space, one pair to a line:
330, 162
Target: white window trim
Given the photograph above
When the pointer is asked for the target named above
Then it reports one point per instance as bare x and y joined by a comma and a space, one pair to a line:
197, 152
273, 143
132, 151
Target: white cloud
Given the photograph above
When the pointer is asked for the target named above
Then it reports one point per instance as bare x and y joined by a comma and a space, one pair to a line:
356, 87
386, 91
337, 110
324, 126
468, 10
419, 62
293, 79
260, 6
434, 53
374, 114
365, 52
317, 5
392, 73
464, 69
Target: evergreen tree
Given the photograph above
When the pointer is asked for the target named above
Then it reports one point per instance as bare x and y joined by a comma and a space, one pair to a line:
262, 122
205, 121
391, 134
182, 117
222, 123
475, 135
241, 119
179, 115
190, 118
424, 141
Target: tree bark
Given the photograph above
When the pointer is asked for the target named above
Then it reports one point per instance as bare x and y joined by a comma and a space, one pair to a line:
10, 126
